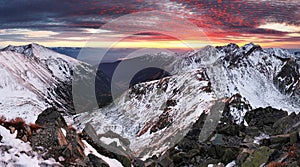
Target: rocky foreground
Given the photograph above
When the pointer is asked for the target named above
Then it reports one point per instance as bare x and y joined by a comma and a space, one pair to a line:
266, 137
270, 139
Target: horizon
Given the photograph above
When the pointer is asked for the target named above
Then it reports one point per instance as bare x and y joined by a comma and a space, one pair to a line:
56, 24
124, 48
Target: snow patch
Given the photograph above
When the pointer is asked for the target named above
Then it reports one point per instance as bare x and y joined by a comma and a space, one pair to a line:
90, 150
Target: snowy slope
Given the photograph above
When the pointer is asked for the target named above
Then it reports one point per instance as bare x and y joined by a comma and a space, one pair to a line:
14, 152
151, 113
249, 71
168, 106
34, 78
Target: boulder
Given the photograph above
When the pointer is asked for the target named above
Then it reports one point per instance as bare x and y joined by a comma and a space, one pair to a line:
96, 161
241, 158
294, 137
51, 117
281, 139
259, 157
287, 124
261, 117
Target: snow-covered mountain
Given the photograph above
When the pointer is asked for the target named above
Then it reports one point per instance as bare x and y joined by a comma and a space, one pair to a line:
34, 78
152, 116
156, 114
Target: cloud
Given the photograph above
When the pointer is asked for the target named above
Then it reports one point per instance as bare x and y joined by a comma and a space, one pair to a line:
75, 20
283, 27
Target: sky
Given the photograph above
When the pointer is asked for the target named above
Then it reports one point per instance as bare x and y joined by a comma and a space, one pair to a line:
150, 23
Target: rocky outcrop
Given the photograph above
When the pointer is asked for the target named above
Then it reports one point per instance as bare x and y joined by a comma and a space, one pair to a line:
51, 137
59, 141
287, 80
271, 137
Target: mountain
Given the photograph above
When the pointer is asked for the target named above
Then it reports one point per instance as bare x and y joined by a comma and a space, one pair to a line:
217, 104
34, 78
153, 116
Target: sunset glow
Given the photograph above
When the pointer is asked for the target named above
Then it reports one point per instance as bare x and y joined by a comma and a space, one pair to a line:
222, 22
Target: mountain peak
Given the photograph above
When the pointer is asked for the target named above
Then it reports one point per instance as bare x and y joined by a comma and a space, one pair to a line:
250, 46
38, 51
23, 49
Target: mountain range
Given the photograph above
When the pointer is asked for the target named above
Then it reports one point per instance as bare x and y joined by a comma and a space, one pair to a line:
160, 107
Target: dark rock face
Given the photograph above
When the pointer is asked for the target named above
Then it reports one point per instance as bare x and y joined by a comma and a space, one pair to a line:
234, 54
51, 118
164, 120
97, 162
287, 124
26, 50
263, 117
287, 80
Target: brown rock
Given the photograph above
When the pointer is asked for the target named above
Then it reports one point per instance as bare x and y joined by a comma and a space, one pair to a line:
61, 138
12, 129
24, 138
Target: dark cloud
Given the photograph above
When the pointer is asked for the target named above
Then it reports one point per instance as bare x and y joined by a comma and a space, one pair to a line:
37, 14
244, 15
73, 16
74, 13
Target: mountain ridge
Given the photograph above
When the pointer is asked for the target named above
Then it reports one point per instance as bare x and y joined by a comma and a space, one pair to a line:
42, 74
249, 72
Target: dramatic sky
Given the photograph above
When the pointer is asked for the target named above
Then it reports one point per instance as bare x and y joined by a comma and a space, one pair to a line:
270, 23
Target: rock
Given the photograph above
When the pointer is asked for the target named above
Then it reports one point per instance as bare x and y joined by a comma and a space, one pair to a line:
75, 143
28, 130
61, 138
51, 117
92, 138
249, 145
287, 124
287, 78
210, 161
164, 120
165, 161
24, 138
96, 161
259, 156
281, 139
138, 163
12, 130
180, 157
229, 129
248, 139
252, 131
294, 137
229, 155
264, 116
293, 164
241, 158
231, 141
56, 145
188, 144
217, 140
